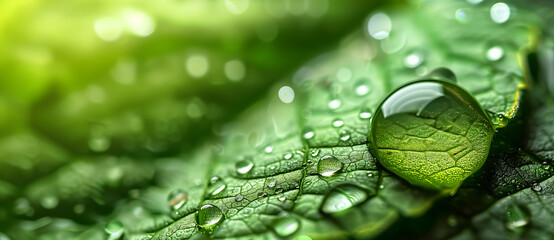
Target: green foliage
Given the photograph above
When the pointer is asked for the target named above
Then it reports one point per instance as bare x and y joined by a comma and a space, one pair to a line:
163, 160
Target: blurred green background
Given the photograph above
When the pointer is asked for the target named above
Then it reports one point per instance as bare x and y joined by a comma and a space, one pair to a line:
94, 93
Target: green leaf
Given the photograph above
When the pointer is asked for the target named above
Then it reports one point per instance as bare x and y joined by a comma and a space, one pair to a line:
285, 142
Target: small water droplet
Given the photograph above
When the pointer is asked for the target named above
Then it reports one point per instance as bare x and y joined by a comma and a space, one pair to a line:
362, 89
308, 133
379, 26
545, 166
282, 198
381, 186
442, 73
500, 12
370, 175
287, 156
494, 53
342, 198
315, 152
286, 94
536, 187
214, 179
278, 190
262, 194
217, 185
239, 198
271, 184
413, 60
516, 217
344, 136
209, 216
365, 113
334, 104
244, 166
328, 165
286, 226
114, 229
268, 149
176, 199
338, 123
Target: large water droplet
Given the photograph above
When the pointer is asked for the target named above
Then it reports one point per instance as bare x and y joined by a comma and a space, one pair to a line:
209, 216
176, 199
114, 229
244, 166
286, 226
516, 217
328, 165
343, 197
432, 133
